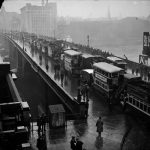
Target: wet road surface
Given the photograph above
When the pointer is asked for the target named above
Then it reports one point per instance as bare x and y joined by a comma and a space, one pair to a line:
115, 122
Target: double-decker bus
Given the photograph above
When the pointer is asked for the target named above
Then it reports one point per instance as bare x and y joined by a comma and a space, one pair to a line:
72, 61
88, 60
86, 76
117, 62
106, 77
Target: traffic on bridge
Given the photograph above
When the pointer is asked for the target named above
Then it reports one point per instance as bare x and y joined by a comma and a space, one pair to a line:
74, 75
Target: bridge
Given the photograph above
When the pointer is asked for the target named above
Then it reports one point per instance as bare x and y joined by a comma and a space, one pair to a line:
69, 102
41, 66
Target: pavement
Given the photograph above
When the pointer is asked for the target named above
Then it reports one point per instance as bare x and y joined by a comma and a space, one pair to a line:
59, 139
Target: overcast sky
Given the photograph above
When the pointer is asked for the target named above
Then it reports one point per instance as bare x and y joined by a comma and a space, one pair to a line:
90, 8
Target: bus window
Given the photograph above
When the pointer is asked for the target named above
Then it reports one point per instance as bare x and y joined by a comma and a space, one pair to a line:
115, 74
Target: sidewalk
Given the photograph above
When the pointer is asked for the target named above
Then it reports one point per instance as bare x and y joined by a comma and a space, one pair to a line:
59, 139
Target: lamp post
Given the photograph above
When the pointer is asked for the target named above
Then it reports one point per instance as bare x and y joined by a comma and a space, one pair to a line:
88, 41
23, 40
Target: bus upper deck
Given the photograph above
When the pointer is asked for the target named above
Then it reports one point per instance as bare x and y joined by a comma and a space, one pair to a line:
72, 61
107, 70
117, 61
106, 77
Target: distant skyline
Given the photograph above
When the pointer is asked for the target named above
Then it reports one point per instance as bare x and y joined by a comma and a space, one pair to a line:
89, 8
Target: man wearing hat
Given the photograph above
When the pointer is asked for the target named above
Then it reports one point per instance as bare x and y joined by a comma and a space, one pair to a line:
79, 144
99, 125
73, 143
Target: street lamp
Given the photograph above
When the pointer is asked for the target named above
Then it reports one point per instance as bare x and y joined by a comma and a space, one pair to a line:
23, 40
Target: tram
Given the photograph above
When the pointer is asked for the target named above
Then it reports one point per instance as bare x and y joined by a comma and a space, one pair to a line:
86, 76
106, 77
136, 94
88, 60
72, 61
117, 62
55, 49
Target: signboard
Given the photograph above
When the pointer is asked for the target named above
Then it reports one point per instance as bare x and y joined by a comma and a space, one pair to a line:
145, 39
100, 77
67, 66
146, 43
67, 60
49, 51
115, 81
143, 59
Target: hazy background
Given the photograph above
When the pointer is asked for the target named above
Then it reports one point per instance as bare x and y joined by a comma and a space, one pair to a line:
115, 26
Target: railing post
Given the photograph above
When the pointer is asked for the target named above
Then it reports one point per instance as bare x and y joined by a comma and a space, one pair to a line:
136, 103
147, 109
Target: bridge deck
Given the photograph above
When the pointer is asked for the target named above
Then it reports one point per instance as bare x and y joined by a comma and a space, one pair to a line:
49, 77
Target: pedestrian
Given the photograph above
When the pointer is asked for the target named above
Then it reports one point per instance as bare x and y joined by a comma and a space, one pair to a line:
86, 91
44, 144
39, 125
73, 143
132, 71
79, 95
99, 125
86, 109
83, 92
43, 122
79, 144
62, 77
39, 143
47, 67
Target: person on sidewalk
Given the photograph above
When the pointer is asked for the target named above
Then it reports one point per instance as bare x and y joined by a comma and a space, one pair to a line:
87, 91
43, 123
39, 143
39, 125
79, 144
73, 143
79, 95
99, 125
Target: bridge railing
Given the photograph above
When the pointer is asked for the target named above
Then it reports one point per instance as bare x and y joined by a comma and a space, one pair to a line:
67, 99
138, 104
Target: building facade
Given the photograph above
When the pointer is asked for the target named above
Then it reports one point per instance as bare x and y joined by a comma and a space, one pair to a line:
9, 21
41, 20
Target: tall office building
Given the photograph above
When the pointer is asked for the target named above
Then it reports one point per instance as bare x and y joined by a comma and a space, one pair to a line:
9, 21
41, 20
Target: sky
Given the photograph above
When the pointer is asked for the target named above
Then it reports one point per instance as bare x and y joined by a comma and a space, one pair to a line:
89, 8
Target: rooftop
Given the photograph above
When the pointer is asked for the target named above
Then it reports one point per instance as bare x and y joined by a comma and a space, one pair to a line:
87, 55
56, 108
72, 52
131, 76
90, 71
113, 58
107, 67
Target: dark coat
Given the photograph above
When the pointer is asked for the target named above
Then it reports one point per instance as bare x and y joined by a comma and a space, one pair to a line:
79, 145
99, 125
73, 144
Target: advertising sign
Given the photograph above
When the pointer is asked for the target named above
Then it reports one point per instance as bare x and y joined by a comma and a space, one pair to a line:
143, 59
146, 43
100, 77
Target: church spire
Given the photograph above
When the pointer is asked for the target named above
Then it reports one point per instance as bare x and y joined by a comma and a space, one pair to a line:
109, 15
